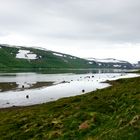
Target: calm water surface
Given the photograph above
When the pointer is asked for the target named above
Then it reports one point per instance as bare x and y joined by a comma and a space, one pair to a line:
21, 89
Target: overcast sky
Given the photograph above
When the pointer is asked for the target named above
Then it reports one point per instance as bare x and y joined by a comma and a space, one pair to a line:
85, 28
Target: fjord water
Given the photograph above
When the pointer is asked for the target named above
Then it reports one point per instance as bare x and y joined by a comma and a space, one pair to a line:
22, 81
21, 89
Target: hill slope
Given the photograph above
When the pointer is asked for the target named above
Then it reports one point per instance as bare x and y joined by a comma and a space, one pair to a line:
30, 58
18, 57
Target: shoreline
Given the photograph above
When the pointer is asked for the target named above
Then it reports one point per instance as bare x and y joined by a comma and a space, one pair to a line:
102, 85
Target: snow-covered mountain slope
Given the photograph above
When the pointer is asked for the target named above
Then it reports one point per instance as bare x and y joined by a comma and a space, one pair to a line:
107, 60
110, 63
20, 57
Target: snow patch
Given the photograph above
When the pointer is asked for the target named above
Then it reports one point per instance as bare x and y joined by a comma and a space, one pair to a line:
25, 54
117, 66
90, 62
107, 60
58, 54
40, 48
71, 57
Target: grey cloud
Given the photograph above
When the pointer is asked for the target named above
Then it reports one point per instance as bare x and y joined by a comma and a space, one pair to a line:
101, 20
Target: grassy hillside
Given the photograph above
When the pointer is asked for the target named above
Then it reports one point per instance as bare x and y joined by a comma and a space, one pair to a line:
108, 114
45, 59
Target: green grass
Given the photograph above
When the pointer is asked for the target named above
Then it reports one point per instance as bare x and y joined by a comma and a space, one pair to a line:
108, 114
8, 60
45, 60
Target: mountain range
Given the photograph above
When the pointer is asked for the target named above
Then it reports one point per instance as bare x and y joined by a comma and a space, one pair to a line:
20, 57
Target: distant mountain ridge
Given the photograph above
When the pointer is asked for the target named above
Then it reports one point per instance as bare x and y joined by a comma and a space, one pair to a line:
107, 60
20, 57
111, 62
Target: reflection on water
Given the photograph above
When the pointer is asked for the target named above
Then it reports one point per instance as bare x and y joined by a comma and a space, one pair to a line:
24, 81
8, 86
58, 71
82, 71
32, 88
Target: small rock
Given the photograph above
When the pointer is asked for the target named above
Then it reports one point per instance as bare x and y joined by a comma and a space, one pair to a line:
27, 96
83, 90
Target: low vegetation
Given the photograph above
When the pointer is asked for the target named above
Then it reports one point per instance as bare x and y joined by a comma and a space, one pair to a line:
108, 114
